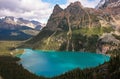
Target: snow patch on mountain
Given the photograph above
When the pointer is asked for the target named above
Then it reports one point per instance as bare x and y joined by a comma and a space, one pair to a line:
101, 3
17, 22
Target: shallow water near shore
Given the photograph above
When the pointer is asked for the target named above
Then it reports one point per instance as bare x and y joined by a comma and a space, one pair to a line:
54, 63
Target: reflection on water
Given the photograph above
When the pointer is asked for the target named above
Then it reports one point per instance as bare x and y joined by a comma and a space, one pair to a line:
52, 63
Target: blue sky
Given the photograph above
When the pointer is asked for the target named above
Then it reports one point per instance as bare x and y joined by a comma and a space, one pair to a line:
39, 10
90, 0
62, 1
56, 1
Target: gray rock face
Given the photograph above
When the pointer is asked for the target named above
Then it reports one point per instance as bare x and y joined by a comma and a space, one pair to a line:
57, 9
75, 16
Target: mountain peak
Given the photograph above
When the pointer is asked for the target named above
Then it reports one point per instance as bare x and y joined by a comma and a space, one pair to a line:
56, 6
57, 9
9, 18
77, 3
74, 8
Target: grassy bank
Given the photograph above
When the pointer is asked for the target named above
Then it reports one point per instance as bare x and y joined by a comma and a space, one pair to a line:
7, 48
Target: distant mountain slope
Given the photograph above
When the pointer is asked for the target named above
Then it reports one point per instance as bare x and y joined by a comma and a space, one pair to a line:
12, 28
10, 22
7, 35
77, 28
107, 3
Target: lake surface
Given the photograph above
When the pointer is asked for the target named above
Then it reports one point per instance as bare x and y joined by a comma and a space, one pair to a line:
53, 63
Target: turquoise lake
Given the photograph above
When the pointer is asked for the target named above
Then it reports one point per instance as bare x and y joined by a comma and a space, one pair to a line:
53, 63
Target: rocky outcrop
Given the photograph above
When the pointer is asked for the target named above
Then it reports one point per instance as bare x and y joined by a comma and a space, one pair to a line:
75, 16
55, 18
108, 42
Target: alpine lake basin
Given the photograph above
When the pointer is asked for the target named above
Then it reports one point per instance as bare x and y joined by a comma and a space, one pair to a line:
54, 63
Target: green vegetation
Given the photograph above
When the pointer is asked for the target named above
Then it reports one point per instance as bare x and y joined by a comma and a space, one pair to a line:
82, 39
7, 48
114, 52
9, 69
31, 32
80, 42
93, 30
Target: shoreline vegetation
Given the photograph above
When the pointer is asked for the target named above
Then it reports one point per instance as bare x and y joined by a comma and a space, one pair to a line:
8, 48
10, 69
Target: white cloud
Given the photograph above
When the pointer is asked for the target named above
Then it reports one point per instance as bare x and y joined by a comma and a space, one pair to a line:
88, 3
28, 9
34, 9
85, 3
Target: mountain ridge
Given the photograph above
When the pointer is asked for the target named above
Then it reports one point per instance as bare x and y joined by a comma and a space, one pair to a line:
77, 28
12, 28
13, 22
